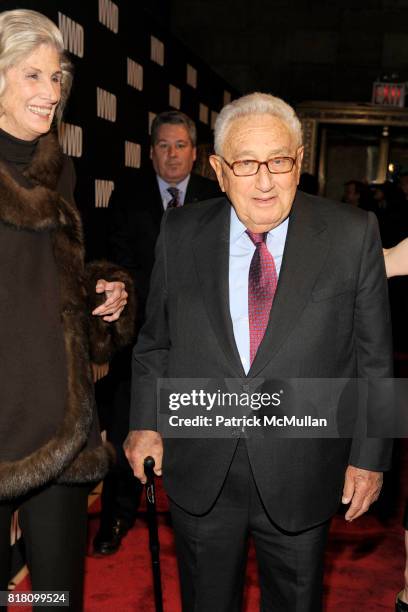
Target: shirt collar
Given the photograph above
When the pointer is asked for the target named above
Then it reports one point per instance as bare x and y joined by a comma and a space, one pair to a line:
237, 228
163, 185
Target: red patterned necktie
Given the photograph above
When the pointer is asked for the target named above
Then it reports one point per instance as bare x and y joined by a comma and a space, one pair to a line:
174, 202
262, 282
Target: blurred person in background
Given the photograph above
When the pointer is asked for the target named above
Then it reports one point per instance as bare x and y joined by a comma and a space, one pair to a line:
388, 205
403, 184
358, 194
308, 183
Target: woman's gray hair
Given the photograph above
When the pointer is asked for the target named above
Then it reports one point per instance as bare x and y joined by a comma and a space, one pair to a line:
255, 104
21, 32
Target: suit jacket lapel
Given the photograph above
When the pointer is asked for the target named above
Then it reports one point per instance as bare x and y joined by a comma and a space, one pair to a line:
306, 245
211, 253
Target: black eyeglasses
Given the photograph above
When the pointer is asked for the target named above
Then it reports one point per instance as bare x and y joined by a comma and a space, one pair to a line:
250, 167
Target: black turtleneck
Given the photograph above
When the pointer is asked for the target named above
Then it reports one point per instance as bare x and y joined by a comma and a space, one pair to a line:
15, 151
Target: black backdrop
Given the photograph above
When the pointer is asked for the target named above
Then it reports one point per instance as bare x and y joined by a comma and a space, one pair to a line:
125, 66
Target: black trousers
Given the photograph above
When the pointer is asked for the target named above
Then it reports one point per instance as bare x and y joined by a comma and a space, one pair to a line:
212, 552
121, 490
120, 497
54, 522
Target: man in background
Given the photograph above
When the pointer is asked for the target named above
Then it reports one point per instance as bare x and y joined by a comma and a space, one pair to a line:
134, 226
170, 183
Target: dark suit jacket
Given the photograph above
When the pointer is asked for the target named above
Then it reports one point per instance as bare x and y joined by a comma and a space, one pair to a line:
329, 319
135, 219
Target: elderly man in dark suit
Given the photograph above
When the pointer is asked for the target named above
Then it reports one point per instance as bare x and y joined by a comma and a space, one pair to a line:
135, 217
264, 284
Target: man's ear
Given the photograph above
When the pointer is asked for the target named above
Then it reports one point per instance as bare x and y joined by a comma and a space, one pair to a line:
151, 152
299, 160
217, 167
194, 153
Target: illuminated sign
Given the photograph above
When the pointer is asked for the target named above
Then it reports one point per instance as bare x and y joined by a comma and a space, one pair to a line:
389, 94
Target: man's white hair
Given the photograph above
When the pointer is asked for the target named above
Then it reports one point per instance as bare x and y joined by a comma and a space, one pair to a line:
255, 104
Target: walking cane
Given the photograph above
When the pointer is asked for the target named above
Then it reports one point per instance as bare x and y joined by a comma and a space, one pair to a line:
154, 544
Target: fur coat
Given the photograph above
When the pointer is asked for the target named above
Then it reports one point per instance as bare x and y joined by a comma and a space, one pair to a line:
74, 452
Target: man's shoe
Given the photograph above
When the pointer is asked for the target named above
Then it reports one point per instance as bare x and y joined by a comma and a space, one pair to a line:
400, 606
108, 540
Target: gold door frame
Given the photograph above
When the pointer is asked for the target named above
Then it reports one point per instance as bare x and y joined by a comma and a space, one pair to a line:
312, 114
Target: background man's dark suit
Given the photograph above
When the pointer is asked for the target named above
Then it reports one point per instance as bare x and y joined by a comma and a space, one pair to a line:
135, 224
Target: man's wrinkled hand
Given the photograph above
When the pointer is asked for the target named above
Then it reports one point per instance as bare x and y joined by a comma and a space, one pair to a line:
141, 444
116, 299
361, 489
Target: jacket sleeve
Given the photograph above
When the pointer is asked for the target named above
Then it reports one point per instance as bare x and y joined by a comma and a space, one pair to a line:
372, 336
106, 338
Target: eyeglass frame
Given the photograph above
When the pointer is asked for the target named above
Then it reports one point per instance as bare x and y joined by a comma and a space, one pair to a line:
260, 163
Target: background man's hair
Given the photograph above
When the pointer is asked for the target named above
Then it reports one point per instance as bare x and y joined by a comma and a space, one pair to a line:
174, 118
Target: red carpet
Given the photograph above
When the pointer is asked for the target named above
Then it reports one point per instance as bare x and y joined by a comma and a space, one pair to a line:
364, 566
364, 563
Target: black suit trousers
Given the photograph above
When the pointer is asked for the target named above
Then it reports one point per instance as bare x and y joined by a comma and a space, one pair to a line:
212, 551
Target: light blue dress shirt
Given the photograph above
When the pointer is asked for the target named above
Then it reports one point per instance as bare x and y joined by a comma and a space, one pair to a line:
166, 196
241, 251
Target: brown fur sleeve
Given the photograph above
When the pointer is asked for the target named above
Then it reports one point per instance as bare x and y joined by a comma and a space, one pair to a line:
106, 338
